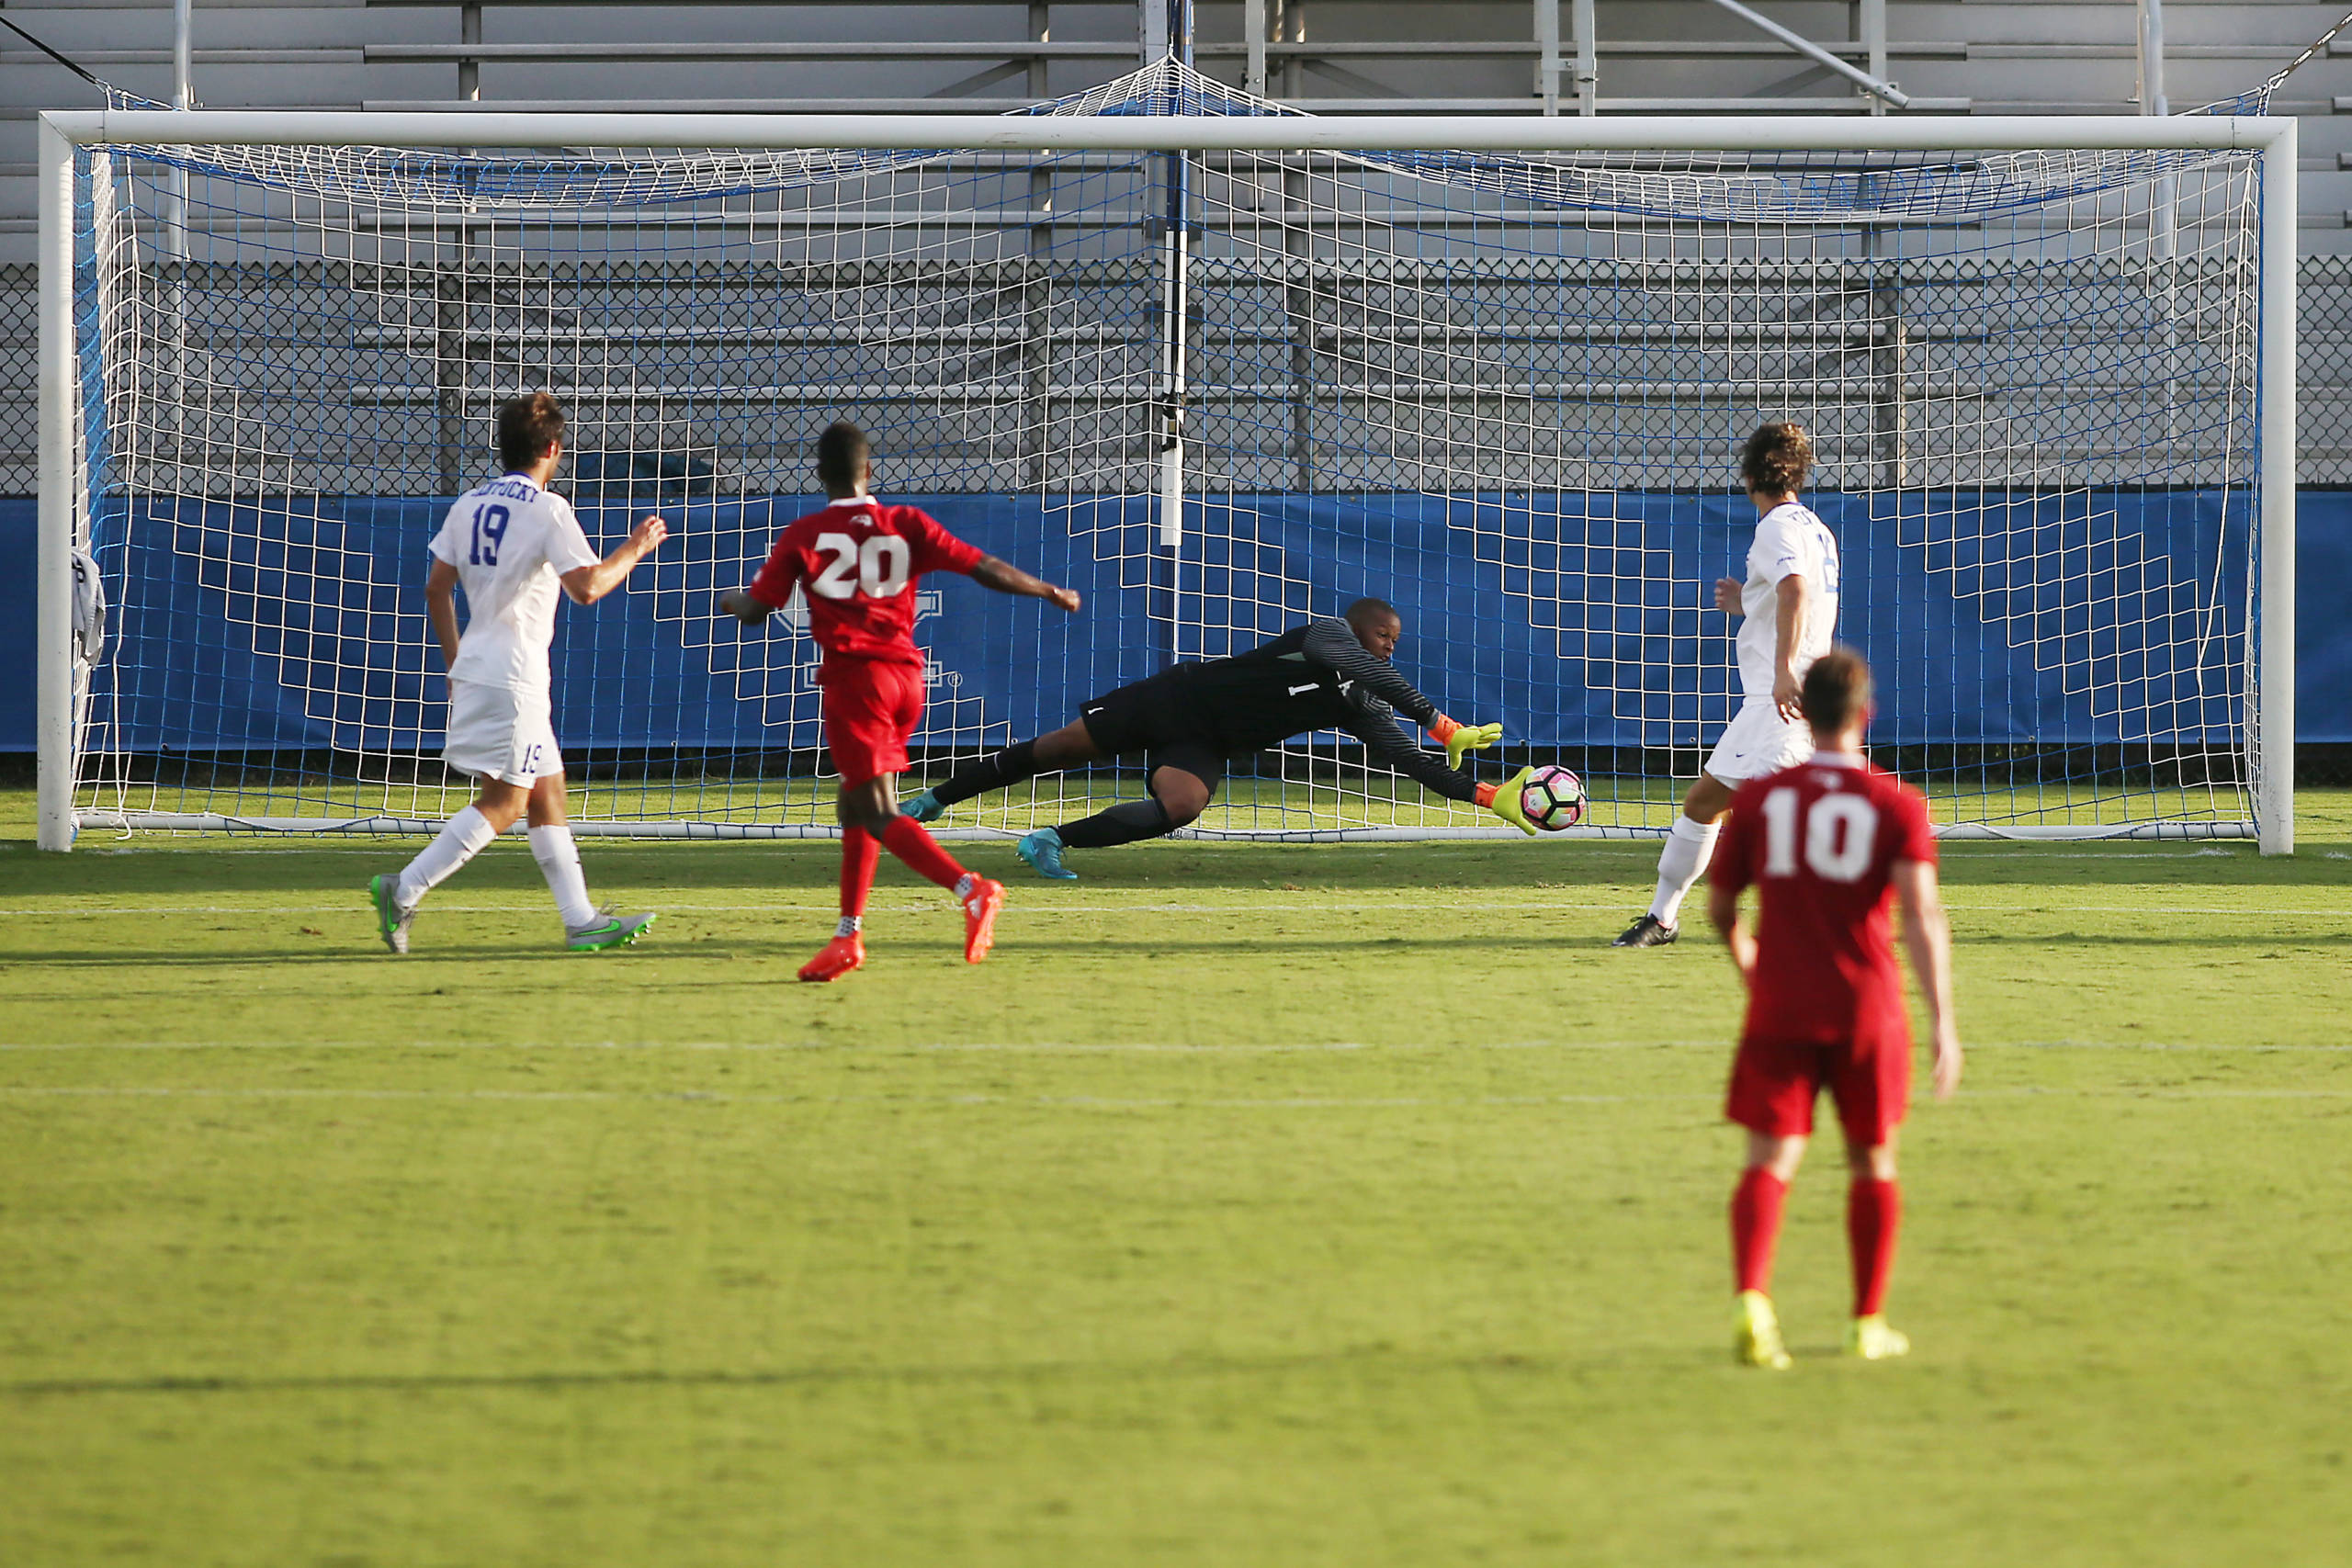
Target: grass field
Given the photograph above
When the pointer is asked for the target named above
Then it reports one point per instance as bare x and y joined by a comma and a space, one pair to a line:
1334, 1205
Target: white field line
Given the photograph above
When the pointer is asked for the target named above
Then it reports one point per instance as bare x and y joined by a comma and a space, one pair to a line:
1077, 1102
944, 906
1721, 1043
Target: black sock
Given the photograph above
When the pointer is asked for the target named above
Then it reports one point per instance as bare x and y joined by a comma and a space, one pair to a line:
1009, 766
1122, 824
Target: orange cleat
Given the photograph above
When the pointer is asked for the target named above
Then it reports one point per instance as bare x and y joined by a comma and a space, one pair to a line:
838, 957
980, 906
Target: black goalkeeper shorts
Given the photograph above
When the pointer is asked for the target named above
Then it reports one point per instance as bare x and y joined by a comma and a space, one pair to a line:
1155, 715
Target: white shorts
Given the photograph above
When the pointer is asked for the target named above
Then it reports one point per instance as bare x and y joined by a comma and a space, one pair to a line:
1758, 741
495, 733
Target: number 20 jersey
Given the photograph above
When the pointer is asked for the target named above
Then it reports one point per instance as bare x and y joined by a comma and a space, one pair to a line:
1819, 843
855, 563
510, 541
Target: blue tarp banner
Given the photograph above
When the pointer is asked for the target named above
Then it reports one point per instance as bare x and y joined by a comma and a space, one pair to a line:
1993, 616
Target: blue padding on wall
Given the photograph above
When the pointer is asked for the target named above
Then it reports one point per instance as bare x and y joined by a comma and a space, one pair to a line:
1993, 618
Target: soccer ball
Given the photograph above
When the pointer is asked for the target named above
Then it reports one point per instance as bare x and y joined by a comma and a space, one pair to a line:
1552, 798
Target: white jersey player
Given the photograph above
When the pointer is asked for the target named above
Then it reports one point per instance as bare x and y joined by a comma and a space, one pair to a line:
513, 546
1788, 613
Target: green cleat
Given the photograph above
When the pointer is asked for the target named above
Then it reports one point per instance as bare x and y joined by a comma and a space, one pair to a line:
1043, 851
924, 807
391, 920
1755, 1335
610, 931
1872, 1340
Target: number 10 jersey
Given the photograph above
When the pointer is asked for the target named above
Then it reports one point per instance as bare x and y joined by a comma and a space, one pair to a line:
510, 541
856, 563
1819, 842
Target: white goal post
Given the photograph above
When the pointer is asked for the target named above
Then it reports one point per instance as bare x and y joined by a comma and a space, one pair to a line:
2265, 704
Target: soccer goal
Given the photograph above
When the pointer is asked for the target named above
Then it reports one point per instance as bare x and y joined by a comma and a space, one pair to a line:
1221, 367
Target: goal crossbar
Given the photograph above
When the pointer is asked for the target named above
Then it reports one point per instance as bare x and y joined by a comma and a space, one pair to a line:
2271, 718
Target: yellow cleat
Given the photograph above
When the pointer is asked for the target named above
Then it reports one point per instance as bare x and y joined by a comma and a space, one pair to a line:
1872, 1340
1756, 1337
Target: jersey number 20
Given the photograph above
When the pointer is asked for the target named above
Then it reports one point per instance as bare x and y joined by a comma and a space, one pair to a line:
876, 568
1839, 831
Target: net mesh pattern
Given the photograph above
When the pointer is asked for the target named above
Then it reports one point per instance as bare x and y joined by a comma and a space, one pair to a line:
1216, 392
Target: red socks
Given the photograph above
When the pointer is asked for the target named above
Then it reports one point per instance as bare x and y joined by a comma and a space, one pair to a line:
904, 837
1873, 1209
1756, 1227
860, 852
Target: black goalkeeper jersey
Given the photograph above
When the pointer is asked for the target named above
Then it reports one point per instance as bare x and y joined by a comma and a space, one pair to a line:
1312, 677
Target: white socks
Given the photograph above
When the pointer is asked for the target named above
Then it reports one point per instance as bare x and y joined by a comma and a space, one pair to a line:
1681, 864
461, 837
852, 925
558, 860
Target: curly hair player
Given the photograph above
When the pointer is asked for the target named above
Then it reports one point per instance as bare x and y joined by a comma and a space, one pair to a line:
1787, 611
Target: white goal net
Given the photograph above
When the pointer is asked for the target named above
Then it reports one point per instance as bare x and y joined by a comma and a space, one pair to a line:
1217, 390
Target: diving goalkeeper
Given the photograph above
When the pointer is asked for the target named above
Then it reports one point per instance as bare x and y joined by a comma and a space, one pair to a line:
1189, 718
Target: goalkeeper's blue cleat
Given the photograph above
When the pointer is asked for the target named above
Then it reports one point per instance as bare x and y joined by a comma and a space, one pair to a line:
924, 807
1043, 851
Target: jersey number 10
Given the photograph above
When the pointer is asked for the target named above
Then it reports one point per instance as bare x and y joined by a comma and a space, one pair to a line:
878, 567
1839, 831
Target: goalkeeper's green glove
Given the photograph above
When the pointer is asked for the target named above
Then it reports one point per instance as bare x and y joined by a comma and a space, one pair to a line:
1459, 738
1503, 800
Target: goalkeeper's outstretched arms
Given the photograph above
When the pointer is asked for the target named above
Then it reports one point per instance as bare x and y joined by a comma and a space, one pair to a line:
1358, 650
1392, 747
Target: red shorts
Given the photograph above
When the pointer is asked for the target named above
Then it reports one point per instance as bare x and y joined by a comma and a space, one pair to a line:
1773, 1086
870, 710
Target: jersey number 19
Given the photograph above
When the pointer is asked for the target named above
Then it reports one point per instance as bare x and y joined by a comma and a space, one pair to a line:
878, 567
1837, 831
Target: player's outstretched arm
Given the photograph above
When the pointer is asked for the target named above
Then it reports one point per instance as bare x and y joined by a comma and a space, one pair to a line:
441, 608
1006, 578
1334, 647
1927, 937
586, 584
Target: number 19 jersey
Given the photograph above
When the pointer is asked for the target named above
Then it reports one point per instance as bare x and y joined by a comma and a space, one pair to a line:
1819, 843
856, 562
510, 541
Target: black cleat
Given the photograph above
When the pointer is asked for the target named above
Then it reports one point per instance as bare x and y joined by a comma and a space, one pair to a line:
1647, 932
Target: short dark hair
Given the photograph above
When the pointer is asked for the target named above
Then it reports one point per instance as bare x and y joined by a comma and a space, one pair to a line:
841, 454
1837, 687
1364, 610
1776, 459
527, 426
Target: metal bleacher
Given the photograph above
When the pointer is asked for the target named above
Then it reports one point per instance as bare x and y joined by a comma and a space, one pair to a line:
1565, 57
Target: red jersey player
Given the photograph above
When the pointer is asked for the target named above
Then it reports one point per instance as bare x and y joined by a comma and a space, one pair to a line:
856, 562
1828, 844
